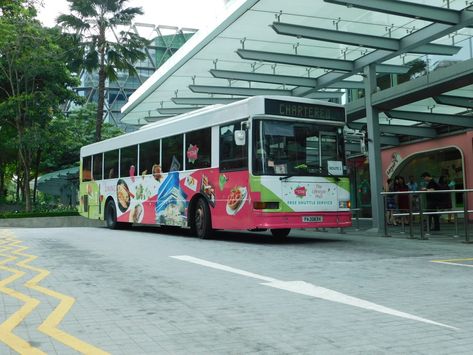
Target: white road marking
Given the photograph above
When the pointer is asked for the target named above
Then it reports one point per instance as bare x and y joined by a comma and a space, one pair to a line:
212, 265
305, 288
448, 263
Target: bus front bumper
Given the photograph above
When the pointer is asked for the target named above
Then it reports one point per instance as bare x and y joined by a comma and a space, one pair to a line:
275, 220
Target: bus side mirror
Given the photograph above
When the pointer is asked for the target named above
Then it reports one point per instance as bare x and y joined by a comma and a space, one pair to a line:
240, 137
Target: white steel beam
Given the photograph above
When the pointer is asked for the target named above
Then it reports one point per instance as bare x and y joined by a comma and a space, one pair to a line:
358, 39
452, 120
406, 9
233, 90
316, 62
204, 100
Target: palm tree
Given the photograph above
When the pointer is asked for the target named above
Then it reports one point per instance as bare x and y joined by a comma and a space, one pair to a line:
92, 20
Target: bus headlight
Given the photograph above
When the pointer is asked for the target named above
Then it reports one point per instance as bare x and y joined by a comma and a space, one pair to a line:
344, 204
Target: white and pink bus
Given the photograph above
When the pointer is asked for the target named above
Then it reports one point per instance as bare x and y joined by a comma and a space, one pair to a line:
260, 163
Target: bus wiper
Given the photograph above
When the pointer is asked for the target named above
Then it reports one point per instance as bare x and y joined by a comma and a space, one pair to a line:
284, 178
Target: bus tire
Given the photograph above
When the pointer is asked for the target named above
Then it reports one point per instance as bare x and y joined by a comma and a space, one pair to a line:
280, 233
201, 224
111, 215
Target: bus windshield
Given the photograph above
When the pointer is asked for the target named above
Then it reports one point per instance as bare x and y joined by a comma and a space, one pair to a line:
296, 148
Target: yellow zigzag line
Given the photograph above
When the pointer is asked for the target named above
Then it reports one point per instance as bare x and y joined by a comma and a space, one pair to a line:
16, 343
49, 326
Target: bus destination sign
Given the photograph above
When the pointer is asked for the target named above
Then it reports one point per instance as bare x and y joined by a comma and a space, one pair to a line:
304, 110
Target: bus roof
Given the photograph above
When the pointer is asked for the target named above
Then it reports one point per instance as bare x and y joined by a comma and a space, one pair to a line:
194, 120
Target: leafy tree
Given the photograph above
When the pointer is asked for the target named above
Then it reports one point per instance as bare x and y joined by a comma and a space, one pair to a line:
92, 20
34, 82
68, 134
8, 155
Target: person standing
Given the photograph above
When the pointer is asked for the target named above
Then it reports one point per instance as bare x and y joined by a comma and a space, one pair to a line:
390, 203
453, 198
431, 185
402, 199
444, 201
412, 185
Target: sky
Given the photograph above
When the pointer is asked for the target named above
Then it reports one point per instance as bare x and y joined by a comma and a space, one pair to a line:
180, 13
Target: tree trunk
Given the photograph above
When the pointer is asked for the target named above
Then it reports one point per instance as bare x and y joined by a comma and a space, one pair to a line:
17, 195
2, 179
38, 159
27, 190
101, 89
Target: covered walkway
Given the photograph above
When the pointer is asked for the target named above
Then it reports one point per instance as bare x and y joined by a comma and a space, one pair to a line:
403, 69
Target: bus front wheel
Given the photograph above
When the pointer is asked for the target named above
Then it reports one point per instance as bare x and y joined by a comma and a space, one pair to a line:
201, 224
111, 215
280, 233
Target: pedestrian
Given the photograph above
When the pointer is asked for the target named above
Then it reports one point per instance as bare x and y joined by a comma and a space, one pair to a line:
444, 201
452, 186
390, 203
431, 198
402, 199
412, 185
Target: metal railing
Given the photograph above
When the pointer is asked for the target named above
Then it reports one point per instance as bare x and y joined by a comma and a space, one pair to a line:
422, 212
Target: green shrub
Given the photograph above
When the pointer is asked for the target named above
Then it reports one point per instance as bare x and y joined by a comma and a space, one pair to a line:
38, 214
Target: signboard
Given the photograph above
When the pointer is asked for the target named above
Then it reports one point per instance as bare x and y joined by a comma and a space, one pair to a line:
395, 162
304, 110
335, 167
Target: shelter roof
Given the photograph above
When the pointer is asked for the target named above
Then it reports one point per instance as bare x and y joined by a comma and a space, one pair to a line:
318, 49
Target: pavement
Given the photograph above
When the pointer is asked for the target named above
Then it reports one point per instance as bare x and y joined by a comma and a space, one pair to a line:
163, 291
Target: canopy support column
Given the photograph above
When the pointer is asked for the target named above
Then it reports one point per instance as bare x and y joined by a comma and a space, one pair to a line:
374, 150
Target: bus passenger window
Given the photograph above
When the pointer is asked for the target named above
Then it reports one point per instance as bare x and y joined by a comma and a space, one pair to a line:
172, 153
111, 164
232, 156
97, 167
86, 165
149, 156
128, 156
198, 149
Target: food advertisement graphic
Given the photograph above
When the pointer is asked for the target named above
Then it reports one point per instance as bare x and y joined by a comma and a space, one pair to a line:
208, 190
123, 195
222, 180
236, 199
191, 183
136, 213
192, 153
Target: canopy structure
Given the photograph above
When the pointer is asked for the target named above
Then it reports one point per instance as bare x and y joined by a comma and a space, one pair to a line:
63, 183
404, 69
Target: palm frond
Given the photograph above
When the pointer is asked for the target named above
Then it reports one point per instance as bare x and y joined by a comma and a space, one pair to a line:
73, 22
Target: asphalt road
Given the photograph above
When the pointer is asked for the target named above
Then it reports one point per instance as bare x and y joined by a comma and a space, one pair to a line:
149, 291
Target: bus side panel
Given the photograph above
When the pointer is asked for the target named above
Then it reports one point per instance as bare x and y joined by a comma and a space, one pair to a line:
233, 208
90, 204
165, 200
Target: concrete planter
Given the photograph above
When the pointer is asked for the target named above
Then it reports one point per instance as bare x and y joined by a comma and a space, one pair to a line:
50, 222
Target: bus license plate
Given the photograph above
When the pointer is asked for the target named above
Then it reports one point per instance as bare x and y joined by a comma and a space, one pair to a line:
312, 218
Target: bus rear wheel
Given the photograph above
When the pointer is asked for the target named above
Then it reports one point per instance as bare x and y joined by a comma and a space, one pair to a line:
280, 233
111, 215
201, 222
